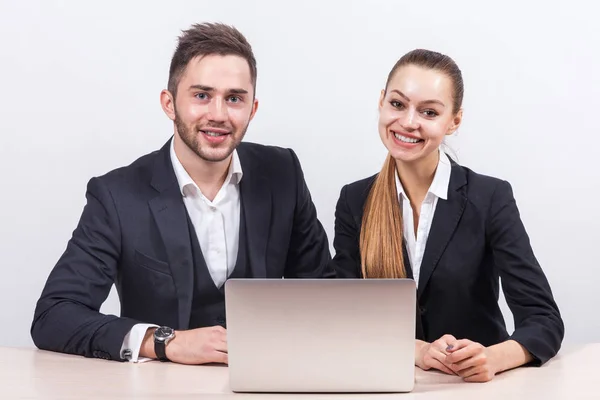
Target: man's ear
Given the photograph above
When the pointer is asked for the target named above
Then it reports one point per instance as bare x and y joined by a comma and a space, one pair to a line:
254, 108
167, 102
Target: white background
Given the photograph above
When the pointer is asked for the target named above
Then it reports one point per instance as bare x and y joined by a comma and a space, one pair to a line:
80, 85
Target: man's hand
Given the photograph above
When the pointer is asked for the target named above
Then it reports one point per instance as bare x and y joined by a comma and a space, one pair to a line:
194, 346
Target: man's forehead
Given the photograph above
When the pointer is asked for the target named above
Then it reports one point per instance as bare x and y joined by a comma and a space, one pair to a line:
229, 74
219, 68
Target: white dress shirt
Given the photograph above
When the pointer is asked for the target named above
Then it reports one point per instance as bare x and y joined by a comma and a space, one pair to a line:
415, 245
217, 226
217, 222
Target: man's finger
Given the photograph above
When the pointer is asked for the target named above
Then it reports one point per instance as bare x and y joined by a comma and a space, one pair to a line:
221, 346
218, 328
219, 332
219, 357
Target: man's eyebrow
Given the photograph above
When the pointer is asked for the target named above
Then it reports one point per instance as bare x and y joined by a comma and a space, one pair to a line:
211, 89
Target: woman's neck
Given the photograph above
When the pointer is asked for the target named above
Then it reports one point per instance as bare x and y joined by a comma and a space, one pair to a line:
416, 177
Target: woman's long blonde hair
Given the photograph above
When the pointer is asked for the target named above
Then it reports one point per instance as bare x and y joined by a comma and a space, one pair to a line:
381, 236
381, 232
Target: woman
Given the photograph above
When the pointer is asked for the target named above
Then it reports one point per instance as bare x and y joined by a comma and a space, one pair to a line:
453, 231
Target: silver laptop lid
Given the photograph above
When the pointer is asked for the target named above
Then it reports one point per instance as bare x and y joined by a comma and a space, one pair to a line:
326, 335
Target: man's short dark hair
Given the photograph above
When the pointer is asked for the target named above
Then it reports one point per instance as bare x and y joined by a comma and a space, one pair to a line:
207, 39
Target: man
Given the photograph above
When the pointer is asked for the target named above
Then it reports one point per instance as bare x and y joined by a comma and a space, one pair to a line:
172, 227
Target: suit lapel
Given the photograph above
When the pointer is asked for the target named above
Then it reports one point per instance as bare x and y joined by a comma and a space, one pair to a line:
445, 221
169, 213
407, 266
255, 192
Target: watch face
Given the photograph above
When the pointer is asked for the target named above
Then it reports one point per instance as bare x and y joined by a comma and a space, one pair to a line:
163, 333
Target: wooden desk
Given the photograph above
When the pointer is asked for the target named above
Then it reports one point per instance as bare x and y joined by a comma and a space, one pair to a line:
35, 374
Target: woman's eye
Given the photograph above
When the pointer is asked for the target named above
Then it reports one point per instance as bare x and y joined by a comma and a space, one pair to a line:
430, 113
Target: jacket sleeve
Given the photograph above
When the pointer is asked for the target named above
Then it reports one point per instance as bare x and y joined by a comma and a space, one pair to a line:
346, 262
538, 323
308, 254
67, 317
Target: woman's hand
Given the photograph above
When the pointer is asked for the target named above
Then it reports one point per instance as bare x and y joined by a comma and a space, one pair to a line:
433, 355
471, 361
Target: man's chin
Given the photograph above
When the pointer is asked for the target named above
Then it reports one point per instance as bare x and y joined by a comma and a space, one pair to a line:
215, 155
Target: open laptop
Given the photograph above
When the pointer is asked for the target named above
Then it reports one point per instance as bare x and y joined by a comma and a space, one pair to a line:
318, 336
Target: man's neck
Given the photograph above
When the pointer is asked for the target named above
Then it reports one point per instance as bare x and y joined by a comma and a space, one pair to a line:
207, 175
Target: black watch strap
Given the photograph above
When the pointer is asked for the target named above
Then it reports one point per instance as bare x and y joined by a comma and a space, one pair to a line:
160, 350
162, 336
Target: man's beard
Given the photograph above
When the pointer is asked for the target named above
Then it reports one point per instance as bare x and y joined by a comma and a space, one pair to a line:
208, 153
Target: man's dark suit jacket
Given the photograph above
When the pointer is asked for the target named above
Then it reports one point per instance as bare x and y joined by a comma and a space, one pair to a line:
476, 237
133, 233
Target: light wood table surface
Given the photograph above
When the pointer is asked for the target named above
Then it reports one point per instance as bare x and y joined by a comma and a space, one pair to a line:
27, 373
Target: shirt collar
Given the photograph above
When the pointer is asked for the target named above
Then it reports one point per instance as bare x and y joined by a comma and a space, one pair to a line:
441, 179
234, 175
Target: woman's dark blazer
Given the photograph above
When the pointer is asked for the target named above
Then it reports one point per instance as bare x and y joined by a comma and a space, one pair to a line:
476, 237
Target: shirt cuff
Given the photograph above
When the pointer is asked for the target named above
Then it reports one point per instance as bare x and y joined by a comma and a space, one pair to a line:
130, 349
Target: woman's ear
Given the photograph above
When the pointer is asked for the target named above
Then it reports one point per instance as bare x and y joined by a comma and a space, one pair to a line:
381, 98
455, 122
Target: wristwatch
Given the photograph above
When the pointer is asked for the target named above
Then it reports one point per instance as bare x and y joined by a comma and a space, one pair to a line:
162, 337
